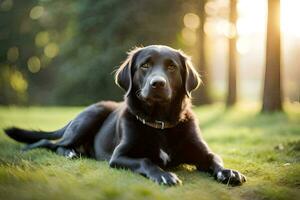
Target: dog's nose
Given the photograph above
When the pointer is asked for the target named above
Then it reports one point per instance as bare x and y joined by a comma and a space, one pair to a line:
158, 82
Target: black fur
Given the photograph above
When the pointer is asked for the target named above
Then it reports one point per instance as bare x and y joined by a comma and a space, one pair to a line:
29, 137
158, 81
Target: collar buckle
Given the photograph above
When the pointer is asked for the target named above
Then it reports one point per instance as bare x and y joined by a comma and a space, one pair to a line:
161, 123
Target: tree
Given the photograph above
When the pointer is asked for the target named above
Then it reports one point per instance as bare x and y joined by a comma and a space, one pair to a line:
202, 96
90, 40
22, 23
104, 31
272, 95
232, 69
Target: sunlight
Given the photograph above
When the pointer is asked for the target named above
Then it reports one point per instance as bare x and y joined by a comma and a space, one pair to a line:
253, 15
224, 27
242, 45
290, 16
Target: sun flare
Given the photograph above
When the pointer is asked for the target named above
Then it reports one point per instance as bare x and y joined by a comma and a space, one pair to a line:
253, 15
290, 16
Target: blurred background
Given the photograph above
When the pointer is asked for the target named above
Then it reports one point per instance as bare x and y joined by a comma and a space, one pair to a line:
64, 52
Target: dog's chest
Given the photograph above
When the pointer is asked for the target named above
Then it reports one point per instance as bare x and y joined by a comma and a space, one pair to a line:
156, 146
164, 156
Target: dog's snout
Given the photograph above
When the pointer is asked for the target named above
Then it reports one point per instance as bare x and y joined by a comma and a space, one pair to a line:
158, 82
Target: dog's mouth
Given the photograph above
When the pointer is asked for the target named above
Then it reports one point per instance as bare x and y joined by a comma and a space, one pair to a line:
151, 97
157, 98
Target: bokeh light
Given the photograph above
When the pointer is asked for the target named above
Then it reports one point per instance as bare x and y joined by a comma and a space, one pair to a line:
36, 12
226, 28
191, 20
242, 45
34, 64
51, 50
6, 5
42, 38
209, 27
211, 8
42, 28
189, 36
230, 31
13, 54
18, 82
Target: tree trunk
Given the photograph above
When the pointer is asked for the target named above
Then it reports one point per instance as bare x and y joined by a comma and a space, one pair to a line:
232, 69
202, 96
272, 96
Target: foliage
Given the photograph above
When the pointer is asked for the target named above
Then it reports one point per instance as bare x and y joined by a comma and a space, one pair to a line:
263, 147
67, 51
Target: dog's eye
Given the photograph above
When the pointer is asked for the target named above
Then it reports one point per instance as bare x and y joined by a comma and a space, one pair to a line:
171, 67
145, 65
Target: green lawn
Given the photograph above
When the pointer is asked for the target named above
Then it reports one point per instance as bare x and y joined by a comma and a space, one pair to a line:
246, 140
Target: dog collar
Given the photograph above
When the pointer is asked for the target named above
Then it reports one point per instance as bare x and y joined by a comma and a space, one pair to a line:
156, 124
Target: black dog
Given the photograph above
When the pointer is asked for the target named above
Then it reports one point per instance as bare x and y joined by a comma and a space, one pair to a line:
153, 129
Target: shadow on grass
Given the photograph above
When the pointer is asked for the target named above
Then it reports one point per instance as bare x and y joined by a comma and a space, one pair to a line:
234, 118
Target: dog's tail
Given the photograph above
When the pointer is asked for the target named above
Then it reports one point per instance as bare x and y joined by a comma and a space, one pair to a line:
31, 136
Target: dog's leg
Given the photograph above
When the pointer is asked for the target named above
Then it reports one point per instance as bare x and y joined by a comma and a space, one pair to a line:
68, 153
143, 166
44, 143
221, 174
194, 150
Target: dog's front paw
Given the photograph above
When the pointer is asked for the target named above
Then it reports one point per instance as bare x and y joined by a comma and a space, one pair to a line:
230, 177
166, 178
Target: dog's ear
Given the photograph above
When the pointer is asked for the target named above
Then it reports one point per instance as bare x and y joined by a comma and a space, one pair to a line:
123, 77
192, 79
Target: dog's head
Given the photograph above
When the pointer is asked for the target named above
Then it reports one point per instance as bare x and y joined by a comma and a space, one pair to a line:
157, 74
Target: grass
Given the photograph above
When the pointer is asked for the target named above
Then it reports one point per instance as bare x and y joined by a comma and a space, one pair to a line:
266, 148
